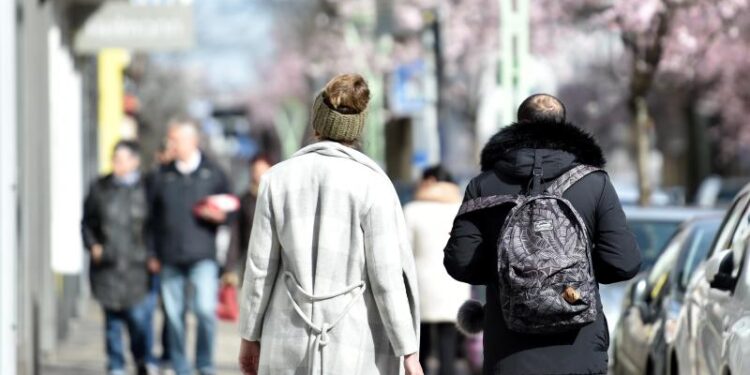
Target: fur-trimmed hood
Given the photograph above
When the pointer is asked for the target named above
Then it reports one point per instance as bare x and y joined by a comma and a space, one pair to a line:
579, 146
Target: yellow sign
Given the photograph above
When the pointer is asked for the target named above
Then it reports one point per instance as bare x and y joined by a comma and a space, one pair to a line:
110, 62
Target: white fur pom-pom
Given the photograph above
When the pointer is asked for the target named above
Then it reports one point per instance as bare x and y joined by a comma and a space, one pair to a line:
470, 318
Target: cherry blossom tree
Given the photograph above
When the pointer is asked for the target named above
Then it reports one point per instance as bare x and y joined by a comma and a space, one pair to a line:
321, 38
700, 45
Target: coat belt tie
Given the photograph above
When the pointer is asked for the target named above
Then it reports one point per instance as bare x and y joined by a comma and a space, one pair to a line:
322, 338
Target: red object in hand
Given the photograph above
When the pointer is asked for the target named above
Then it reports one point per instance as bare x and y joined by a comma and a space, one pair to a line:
228, 309
225, 203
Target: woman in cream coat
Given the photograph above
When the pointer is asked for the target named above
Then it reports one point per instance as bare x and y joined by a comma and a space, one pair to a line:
330, 285
429, 219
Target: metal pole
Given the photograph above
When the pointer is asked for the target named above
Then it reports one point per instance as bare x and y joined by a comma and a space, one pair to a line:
8, 182
514, 42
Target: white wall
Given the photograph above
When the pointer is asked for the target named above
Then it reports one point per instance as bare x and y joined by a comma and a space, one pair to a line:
8, 181
65, 155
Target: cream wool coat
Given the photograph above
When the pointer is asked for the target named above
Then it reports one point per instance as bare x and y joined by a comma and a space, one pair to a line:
429, 220
329, 220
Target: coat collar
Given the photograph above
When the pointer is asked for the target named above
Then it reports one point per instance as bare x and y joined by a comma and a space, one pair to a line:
543, 135
335, 149
441, 192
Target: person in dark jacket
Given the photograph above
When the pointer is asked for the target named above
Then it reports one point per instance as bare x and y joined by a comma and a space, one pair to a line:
114, 219
471, 253
243, 225
163, 157
184, 243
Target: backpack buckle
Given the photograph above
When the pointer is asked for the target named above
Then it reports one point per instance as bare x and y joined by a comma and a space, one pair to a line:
536, 181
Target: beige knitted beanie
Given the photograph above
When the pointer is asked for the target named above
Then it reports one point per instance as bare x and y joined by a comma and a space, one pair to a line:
341, 117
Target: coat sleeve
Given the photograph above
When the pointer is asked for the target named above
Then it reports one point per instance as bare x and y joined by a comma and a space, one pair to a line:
149, 231
466, 258
390, 270
615, 254
234, 251
410, 228
91, 222
262, 267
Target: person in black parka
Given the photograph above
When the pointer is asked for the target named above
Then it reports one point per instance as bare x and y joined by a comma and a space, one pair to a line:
471, 253
115, 215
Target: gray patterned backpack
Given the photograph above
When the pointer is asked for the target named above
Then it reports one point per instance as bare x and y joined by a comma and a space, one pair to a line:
545, 272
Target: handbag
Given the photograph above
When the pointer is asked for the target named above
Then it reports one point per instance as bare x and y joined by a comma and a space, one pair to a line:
229, 308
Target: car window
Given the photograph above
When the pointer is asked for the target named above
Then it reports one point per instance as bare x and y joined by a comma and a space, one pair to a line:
723, 240
652, 236
694, 251
739, 242
668, 257
659, 274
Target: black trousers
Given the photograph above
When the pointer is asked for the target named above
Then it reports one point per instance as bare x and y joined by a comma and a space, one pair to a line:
445, 335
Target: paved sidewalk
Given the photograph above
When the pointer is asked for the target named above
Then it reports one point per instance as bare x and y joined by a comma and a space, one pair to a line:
83, 352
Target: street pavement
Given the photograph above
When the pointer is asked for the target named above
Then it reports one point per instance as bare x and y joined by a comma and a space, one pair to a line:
82, 353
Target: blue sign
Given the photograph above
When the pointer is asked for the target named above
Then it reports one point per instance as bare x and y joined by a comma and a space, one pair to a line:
407, 88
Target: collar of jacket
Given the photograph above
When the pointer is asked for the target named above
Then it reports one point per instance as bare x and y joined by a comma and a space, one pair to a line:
543, 135
204, 162
335, 149
114, 181
441, 192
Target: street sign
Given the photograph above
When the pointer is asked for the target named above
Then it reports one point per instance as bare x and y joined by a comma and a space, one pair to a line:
134, 27
407, 91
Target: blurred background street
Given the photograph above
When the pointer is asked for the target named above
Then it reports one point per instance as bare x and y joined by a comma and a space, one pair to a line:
81, 353
663, 85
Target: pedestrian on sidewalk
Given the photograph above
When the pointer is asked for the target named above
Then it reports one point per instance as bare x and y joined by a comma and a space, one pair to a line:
544, 317
429, 219
330, 284
243, 226
114, 219
163, 156
185, 243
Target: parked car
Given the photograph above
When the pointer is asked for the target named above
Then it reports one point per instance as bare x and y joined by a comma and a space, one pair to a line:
716, 191
713, 333
653, 227
648, 319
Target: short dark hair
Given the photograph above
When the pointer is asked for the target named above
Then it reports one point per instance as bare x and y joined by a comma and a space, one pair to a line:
437, 172
262, 156
541, 108
129, 145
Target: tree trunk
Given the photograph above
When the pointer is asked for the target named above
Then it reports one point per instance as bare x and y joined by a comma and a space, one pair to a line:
643, 126
698, 162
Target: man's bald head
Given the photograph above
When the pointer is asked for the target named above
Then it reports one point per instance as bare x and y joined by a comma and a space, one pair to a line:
541, 108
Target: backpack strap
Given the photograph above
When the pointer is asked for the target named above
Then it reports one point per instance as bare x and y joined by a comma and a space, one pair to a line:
482, 203
569, 178
537, 173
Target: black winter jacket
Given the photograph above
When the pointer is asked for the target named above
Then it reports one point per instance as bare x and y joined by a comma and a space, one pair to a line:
180, 238
471, 253
114, 216
241, 229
